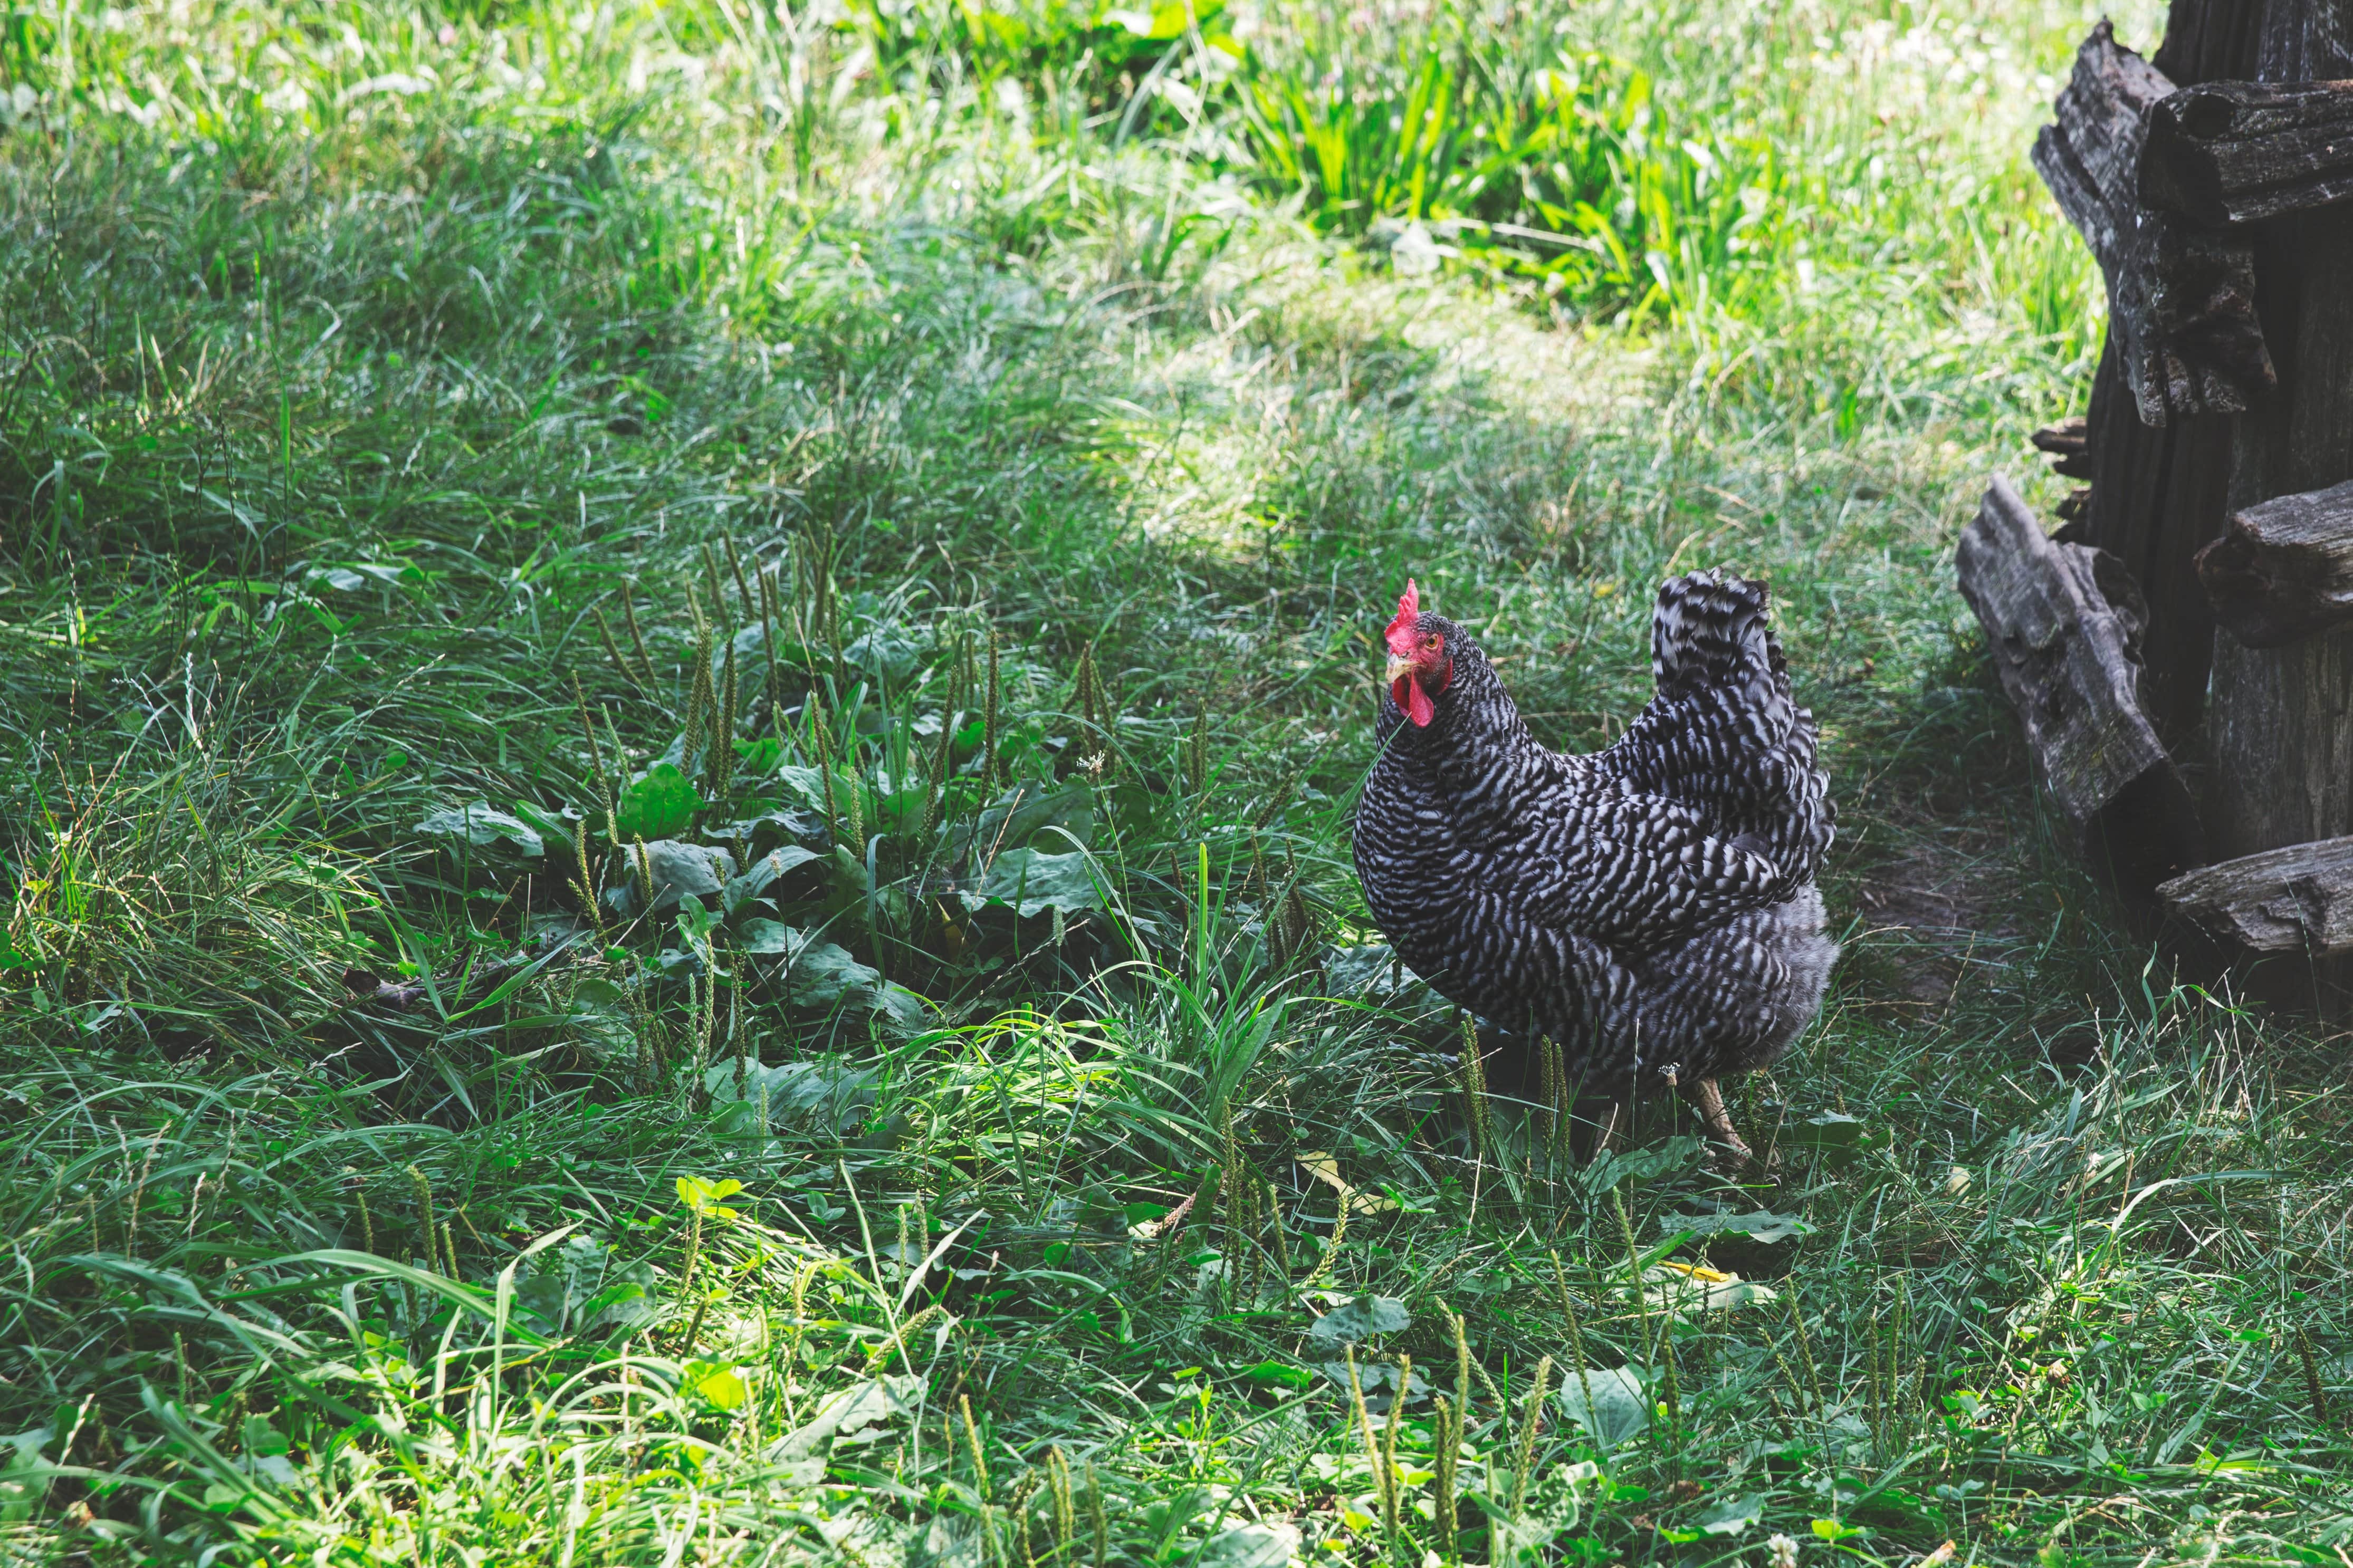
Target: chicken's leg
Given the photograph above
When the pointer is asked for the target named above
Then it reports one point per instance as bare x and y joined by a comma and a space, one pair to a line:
1709, 1099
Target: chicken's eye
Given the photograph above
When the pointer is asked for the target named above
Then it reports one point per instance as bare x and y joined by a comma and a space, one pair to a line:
1432, 643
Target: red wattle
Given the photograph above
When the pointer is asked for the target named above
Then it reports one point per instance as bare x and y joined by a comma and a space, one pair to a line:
1417, 706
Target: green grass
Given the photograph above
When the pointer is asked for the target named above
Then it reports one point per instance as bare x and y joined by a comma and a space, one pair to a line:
381, 391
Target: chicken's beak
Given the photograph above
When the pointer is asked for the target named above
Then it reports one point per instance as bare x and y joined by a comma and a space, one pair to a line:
1398, 671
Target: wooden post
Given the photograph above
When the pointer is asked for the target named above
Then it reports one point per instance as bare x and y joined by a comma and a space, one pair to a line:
2181, 294
2252, 150
2282, 724
2160, 492
2214, 182
2281, 727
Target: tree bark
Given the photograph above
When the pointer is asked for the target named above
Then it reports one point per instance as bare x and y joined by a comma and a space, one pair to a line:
2235, 152
2282, 723
2063, 625
2304, 40
2182, 305
2158, 493
2157, 497
2298, 900
2281, 726
2284, 571
2065, 441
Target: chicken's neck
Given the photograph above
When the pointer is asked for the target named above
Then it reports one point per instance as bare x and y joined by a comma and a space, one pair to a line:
1475, 739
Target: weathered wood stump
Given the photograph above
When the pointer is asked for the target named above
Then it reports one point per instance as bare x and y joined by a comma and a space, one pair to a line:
2157, 491
2298, 900
2281, 727
2214, 182
2065, 642
2071, 456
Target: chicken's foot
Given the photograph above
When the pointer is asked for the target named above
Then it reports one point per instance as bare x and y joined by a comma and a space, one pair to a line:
1708, 1096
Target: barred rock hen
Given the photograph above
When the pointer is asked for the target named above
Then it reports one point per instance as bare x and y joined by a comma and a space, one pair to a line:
1651, 906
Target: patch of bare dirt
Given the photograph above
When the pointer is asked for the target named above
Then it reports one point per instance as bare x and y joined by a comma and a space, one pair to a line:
1932, 903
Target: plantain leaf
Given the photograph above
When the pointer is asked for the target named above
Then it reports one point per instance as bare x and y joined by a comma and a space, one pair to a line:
659, 804
1360, 1320
1033, 881
479, 824
1618, 1409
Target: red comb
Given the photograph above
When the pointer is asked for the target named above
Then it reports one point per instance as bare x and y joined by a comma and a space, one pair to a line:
1400, 632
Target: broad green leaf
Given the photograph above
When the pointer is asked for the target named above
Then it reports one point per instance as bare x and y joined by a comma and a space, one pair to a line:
853, 1409
551, 828
1361, 1319
677, 871
1377, 1379
1033, 815
1618, 1410
825, 1092
1250, 1546
754, 758
1761, 1227
479, 824
719, 1382
902, 1006
703, 1196
657, 804
695, 923
1276, 1372
1834, 1138
885, 653
258, 1436
1170, 19
804, 785
825, 974
1831, 1130
768, 937
1033, 882
1732, 1516
1634, 1167
627, 1304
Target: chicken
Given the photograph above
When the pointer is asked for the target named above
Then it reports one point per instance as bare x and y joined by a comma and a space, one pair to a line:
1651, 906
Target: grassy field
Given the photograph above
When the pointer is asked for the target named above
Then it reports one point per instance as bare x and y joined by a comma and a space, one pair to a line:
954, 462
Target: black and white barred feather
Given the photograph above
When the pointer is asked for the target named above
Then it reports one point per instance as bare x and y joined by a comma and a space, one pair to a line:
1649, 906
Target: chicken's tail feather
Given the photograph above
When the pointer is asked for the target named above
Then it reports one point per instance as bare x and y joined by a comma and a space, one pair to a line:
1709, 629
1725, 735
